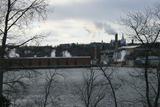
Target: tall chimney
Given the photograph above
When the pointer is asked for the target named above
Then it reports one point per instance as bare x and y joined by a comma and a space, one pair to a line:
95, 53
132, 41
116, 41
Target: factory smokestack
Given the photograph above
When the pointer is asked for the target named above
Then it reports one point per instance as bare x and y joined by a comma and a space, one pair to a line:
132, 41
116, 41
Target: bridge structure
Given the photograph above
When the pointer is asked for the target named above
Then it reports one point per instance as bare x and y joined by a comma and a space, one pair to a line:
45, 63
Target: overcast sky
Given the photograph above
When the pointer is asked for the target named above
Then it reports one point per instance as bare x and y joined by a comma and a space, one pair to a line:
85, 21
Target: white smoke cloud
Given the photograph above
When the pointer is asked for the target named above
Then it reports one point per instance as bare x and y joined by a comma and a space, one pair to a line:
12, 53
66, 54
107, 28
53, 53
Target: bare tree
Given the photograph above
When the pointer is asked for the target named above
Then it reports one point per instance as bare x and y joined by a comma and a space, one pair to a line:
145, 28
14, 15
92, 90
48, 89
108, 78
17, 83
50, 79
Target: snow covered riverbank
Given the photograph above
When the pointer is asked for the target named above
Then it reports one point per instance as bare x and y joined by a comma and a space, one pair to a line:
128, 87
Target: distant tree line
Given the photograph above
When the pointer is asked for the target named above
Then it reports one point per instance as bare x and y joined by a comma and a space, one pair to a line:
73, 49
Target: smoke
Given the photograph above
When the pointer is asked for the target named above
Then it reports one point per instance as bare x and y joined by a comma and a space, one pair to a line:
53, 53
12, 53
99, 25
106, 28
66, 54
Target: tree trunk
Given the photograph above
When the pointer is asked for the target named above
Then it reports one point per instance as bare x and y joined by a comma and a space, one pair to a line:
4, 47
146, 79
158, 88
112, 88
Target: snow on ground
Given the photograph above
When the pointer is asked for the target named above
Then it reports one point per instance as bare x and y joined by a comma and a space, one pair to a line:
63, 85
